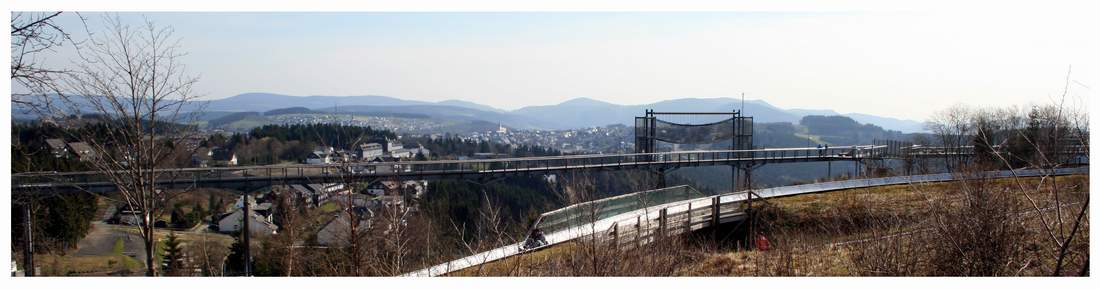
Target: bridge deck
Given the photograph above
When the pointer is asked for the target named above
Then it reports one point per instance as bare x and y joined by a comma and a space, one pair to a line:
253, 176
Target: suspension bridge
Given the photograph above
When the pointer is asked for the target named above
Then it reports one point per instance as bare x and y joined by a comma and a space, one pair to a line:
650, 132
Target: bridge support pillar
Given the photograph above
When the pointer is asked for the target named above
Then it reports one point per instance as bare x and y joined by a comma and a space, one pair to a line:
859, 172
734, 178
661, 179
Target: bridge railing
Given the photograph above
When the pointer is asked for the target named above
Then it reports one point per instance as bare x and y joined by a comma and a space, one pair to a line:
969, 149
438, 167
587, 212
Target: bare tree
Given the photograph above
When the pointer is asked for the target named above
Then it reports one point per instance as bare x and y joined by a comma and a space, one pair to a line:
132, 80
952, 128
33, 36
211, 255
293, 224
392, 243
1047, 138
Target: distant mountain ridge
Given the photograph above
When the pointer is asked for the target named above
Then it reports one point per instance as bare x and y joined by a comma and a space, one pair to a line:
585, 112
578, 112
574, 113
258, 101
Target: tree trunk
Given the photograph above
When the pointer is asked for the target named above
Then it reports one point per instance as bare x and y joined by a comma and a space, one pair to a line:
150, 245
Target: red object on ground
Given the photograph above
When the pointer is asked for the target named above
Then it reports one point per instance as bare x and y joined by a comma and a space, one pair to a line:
762, 243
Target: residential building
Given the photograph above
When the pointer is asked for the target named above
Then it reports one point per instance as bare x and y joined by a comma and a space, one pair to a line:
319, 157
386, 164
369, 151
338, 231
258, 224
57, 147
202, 157
380, 188
129, 217
416, 188
387, 201
223, 157
82, 151
395, 149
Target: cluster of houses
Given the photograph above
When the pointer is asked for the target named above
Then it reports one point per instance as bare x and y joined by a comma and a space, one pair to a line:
364, 207
262, 206
213, 157
390, 150
365, 204
61, 149
203, 157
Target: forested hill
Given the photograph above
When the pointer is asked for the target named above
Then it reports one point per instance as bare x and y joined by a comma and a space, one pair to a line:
842, 130
339, 136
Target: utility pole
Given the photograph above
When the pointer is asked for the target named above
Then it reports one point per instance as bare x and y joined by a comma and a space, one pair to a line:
28, 244
247, 213
742, 101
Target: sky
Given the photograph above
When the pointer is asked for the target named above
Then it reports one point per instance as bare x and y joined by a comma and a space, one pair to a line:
900, 64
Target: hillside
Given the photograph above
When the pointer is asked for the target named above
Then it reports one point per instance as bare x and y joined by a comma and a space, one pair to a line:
842, 130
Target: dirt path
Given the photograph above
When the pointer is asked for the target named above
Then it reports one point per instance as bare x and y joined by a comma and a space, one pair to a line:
101, 241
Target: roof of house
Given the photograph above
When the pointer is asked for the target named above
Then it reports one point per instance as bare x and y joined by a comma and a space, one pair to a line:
336, 231
386, 184
390, 199
201, 153
301, 189
371, 146
382, 159
56, 143
82, 149
255, 217
263, 207
222, 154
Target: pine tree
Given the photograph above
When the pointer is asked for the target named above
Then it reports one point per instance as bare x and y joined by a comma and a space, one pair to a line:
173, 256
235, 261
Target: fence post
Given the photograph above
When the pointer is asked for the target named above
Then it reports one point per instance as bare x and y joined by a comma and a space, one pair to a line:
663, 222
615, 235
715, 202
637, 232
687, 224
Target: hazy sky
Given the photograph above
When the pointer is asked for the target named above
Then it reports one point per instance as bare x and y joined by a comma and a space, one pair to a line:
900, 64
